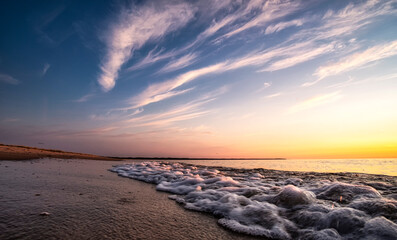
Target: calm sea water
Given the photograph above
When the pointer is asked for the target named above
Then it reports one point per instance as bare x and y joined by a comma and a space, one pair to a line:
386, 166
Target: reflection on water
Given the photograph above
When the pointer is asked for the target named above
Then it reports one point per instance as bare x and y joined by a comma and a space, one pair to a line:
386, 166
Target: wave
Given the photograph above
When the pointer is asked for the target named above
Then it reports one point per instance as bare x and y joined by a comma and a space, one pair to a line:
280, 204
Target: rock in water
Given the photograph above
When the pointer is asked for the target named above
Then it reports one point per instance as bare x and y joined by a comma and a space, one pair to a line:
45, 214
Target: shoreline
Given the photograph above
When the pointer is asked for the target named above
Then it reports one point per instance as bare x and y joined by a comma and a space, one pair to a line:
52, 192
86, 201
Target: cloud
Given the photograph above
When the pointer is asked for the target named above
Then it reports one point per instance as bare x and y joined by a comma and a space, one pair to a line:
186, 111
270, 11
273, 95
136, 112
355, 60
8, 79
152, 95
84, 98
306, 45
170, 120
264, 86
10, 120
163, 90
282, 56
76, 133
315, 102
336, 24
45, 21
135, 28
152, 57
45, 69
182, 62
267, 84
265, 56
299, 56
351, 81
240, 13
208, 9
283, 25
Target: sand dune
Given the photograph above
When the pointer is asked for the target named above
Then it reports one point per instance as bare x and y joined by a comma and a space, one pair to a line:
15, 152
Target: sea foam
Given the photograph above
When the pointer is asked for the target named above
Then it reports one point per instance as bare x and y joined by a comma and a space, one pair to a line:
277, 204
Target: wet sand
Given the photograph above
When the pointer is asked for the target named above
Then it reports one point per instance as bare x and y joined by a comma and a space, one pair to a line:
15, 152
86, 201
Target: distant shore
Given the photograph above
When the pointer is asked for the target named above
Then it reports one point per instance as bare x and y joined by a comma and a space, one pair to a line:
15, 152
189, 158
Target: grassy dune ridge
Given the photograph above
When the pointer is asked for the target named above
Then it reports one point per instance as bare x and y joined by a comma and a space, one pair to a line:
16, 152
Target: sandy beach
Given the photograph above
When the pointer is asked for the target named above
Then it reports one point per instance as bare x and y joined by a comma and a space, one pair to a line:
86, 201
15, 152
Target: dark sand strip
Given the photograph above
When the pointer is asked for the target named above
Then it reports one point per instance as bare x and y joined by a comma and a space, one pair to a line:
14, 152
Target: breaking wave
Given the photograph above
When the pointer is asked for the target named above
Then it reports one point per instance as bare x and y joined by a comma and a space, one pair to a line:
280, 204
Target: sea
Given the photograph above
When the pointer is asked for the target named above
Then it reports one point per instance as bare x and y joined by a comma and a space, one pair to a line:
386, 166
283, 199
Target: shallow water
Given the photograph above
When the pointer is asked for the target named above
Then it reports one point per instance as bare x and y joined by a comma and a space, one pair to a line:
386, 166
86, 201
280, 204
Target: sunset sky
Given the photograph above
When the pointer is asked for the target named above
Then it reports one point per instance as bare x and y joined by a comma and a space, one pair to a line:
295, 79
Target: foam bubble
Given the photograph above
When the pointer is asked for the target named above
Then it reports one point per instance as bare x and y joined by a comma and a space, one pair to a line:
344, 192
292, 196
380, 228
276, 204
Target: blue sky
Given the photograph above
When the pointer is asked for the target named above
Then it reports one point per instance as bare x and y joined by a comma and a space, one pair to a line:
200, 78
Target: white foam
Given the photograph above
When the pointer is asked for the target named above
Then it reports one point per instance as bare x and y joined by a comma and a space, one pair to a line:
275, 206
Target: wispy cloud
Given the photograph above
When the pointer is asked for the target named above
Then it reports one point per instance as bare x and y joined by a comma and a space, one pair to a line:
74, 133
136, 112
279, 52
152, 95
163, 90
208, 9
182, 62
264, 86
242, 12
177, 118
8, 79
315, 102
135, 28
283, 25
306, 45
84, 98
153, 56
342, 23
355, 60
10, 120
186, 111
299, 56
274, 95
351, 81
45, 21
45, 69
270, 11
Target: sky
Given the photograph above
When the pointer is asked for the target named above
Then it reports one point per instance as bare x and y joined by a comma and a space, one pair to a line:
216, 78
